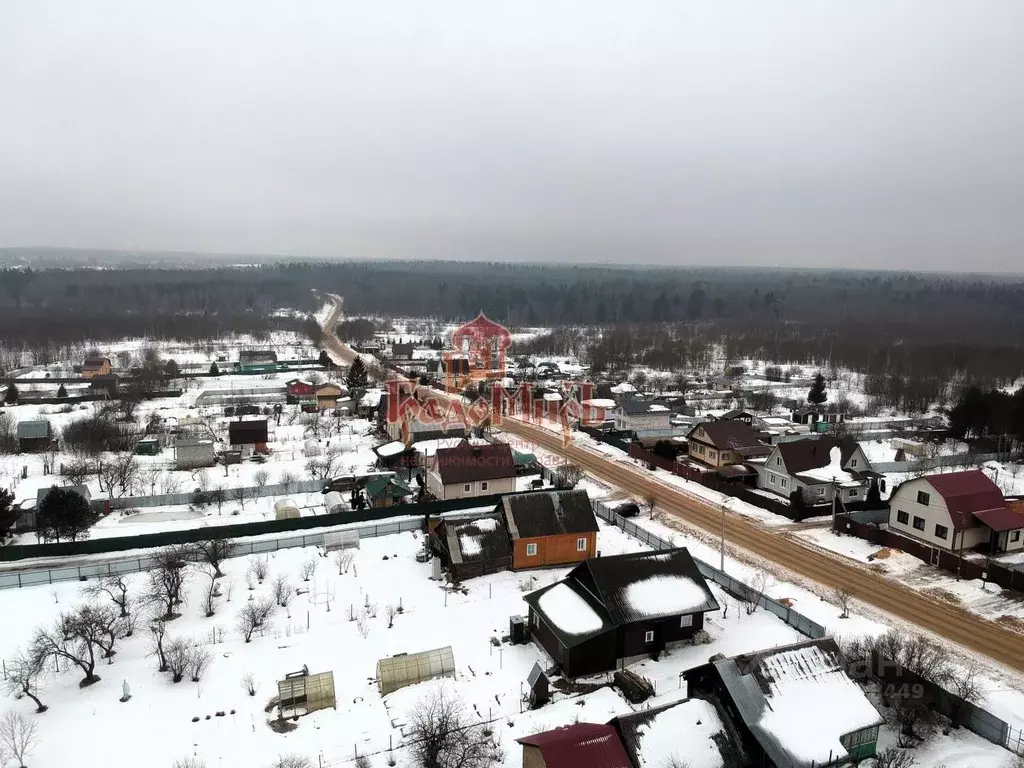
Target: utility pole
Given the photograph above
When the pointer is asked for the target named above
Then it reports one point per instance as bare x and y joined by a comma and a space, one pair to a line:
721, 560
834, 505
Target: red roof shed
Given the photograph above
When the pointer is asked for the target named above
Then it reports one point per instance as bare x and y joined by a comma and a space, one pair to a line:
581, 744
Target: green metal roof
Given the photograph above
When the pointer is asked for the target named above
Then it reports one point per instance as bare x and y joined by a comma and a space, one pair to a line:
523, 458
391, 486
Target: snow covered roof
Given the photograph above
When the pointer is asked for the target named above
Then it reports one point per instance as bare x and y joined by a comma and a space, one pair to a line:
624, 589
685, 732
880, 451
797, 701
832, 471
623, 388
393, 448
371, 399
480, 539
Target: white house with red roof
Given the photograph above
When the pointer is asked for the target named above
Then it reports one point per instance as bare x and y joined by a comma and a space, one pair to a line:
956, 511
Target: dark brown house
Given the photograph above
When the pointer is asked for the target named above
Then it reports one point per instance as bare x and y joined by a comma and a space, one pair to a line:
34, 436
250, 435
611, 611
550, 527
472, 547
472, 470
723, 443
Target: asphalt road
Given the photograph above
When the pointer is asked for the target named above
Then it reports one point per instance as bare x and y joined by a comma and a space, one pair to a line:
955, 624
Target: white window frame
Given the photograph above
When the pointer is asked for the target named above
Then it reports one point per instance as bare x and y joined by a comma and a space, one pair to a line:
649, 636
853, 462
771, 479
483, 485
1015, 536
821, 490
581, 544
778, 461
531, 549
686, 621
467, 488
783, 481
536, 620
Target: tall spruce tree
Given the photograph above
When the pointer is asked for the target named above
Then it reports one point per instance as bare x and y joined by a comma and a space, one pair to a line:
817, 394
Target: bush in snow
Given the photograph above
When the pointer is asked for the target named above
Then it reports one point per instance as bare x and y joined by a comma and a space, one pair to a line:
308, 569
188, 762
260, 567
282, 591
893, 757
249, 683
17, 737
292, 761
254, 616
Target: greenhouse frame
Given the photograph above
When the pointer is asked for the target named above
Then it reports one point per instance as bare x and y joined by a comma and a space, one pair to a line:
405, 669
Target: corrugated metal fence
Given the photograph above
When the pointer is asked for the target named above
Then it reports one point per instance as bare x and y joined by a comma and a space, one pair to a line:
170, 499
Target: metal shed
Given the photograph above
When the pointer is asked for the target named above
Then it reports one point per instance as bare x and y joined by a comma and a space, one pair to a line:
410, 668
285, 509
334, 502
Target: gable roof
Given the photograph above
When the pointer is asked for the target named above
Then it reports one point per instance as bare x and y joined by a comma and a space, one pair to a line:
30, 430
589, 744
384, 486
813, 453
403, 350
548, 513
686, 730
96, 362
474, 540
247, 432
634, 407
966, 494
603, 593
731, 435
735, 413
797, 701
466, 463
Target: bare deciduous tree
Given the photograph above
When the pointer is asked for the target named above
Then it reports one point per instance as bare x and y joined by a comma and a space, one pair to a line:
249, 684
343, 559
363, 625
391, 610
241, 495
214, 551
568, 476
308, 569
444, 735
255, 616
292, 761
177, 650
158, 634
212, 593
755, 587
199, 660
27, 676
260, 567
260, 479
76, 472
842, 597
114, 587
287, 479
963, 683
17, 737
894, 757
649, 504
189, 762
282, 591
76, 636
164, 584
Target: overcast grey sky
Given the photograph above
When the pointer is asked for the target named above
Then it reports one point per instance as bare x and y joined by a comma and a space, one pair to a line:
878, 133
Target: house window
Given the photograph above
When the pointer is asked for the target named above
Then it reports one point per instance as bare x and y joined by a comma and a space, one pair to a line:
581, 544
778, 461
918, 523
902, 517
771, 479
649, 636
1015, 536
712, 454
783, 481
941, 531
536, 621
923, 498
821, 490
466, 487
853, 493
686, 621
531, 550
881, 486
853, 462
483, 486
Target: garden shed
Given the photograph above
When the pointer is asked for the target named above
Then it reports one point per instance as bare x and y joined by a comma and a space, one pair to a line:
405, 669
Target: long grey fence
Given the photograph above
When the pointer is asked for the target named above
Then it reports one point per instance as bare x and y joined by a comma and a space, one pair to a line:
253, 491
974, 718
967, 460
46, 576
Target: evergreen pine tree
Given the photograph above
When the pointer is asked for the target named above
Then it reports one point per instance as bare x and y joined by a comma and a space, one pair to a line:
64, 514
324, 359
357, 377
214, 370
817, 394
12, 393
62, 391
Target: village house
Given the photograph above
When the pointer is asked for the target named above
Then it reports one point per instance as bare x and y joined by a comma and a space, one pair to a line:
34, 436
472, 547
300, 391
681, 733
386, 491
774, 696
328, 394
957, 511
471, 470
573, 746
619, 609
96, 366
257, 361
632, 415
724, 443
809, 465
737, 414
549, 527
248, 436
402, 352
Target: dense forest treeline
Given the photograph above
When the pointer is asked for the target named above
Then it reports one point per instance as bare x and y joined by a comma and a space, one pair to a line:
891, 324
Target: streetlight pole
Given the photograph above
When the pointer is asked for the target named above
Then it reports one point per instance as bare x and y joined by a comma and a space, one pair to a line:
721, 561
